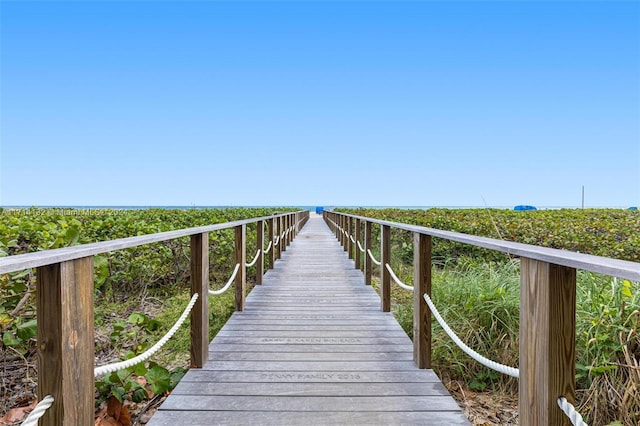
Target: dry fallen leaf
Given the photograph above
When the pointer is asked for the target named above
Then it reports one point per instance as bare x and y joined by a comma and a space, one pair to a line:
18, 413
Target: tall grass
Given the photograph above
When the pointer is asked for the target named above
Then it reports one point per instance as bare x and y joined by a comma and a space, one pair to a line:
480, 301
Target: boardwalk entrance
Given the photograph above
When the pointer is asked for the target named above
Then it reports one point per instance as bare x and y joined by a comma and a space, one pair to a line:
311, 347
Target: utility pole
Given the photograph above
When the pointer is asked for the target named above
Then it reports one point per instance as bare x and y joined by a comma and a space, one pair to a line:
582, 197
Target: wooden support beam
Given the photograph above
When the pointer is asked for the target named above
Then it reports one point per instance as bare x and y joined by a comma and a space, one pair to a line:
367, 247
385, 277
547, 341
421, 313
278, 247
349, 242
64, 293
345, 239
283, 234
260, 247
358, 253
272, 253
241, 258
200, 311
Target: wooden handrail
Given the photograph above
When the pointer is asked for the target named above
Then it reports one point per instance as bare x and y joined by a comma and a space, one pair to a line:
64, 300
547, 307
48, 257
587, 262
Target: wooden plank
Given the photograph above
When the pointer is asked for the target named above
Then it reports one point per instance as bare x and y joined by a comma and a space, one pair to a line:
292, 326
309, 403
200, 311
381, 340
218, 376
312, 339
395, 333
65, 341
547, 341
308, 356
421, 313
206, 418
311, 348
312, 389
310, 365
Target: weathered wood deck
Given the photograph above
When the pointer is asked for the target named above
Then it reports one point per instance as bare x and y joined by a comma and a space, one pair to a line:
311, 347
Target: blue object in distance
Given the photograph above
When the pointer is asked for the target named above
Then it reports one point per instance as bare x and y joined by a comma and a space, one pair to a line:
319, 210
522, 208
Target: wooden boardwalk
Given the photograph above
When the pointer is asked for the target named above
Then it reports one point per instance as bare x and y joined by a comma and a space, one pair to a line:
312, 347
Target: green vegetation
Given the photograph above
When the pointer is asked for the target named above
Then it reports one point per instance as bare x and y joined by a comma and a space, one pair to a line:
604, 232
139, 292
478, 293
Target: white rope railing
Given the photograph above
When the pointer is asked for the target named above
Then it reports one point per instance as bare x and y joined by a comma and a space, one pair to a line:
38, 411
360, 247
396, 279
228, 284
110, 368
268, 248
504, 369
277, 240
353, 240
373, 259
568, 409
283, 234
255, 259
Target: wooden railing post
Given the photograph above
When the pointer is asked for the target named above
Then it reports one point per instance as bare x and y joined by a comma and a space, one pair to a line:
283, 234
547, 341
367, 247
385, 277
66, 341
278, 232
345, 238
358, 257
272, 252
260, 248
200, 311
241, 258
421, 313
349, 242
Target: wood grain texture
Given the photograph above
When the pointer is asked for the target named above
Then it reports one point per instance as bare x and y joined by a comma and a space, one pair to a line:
385, 258
241, 258
271, 256
349, 242
311, 347
547, 341
421, 314
200, 311
260, 246
358, 253
65, 341
367, 246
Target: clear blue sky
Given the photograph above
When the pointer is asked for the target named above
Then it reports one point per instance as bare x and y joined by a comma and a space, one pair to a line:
320, 103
